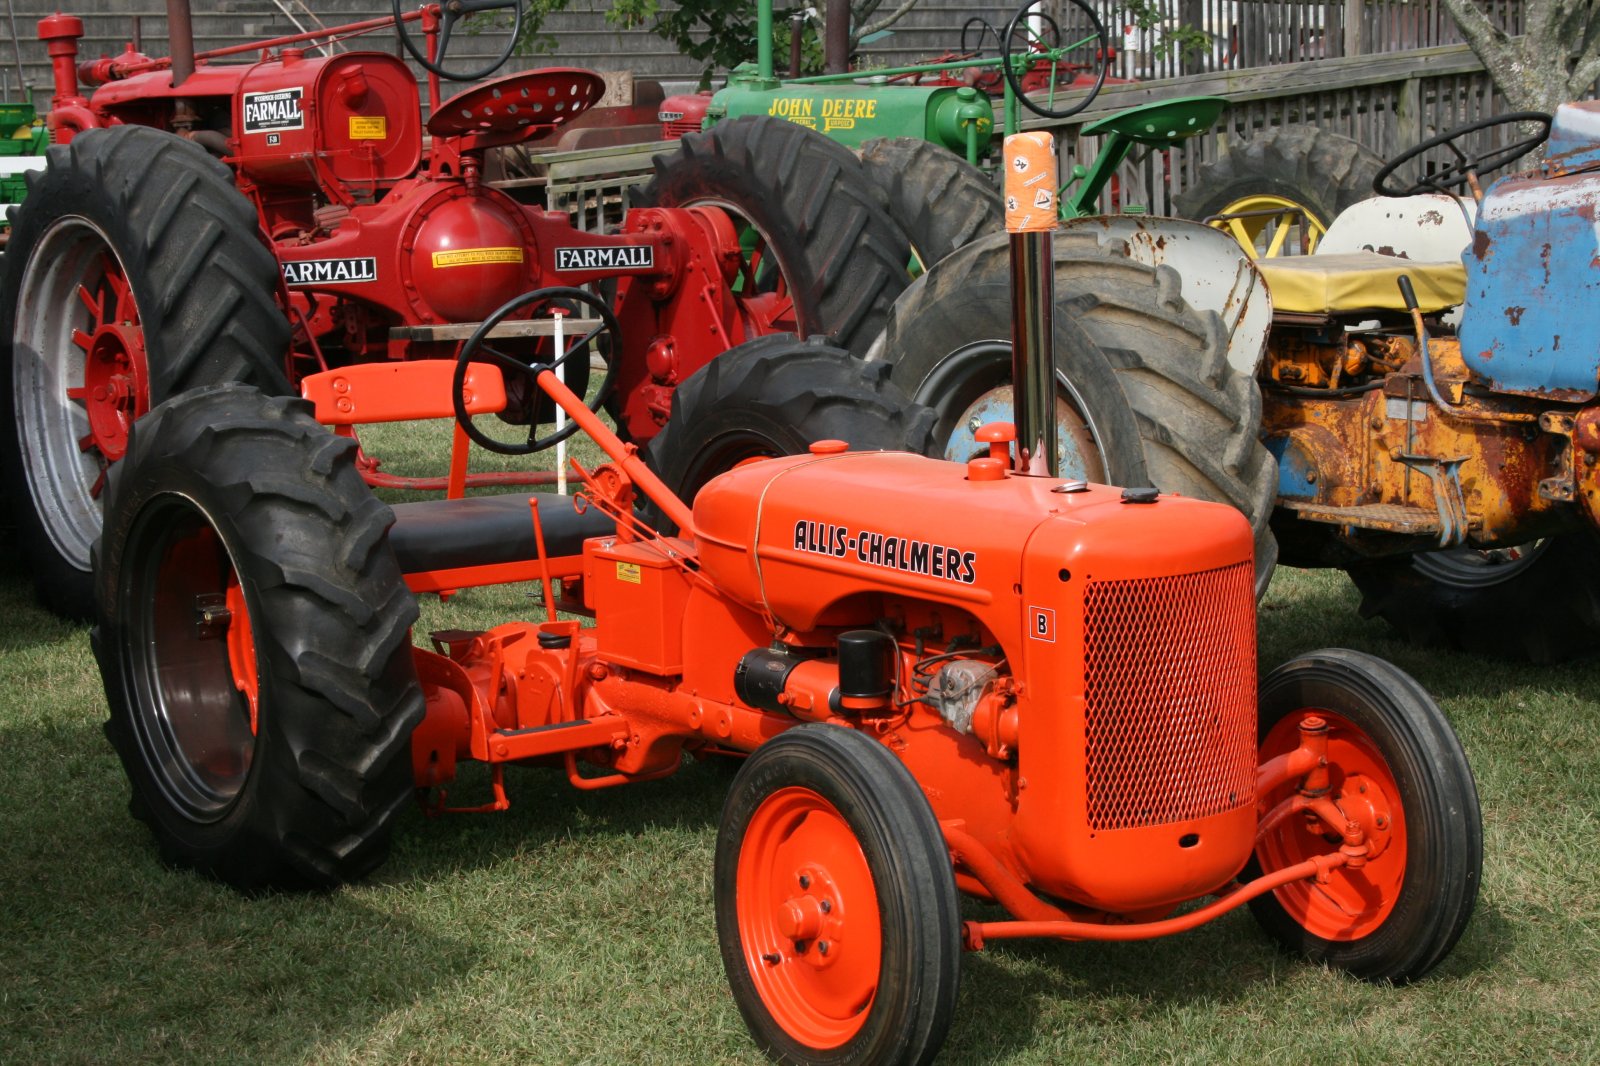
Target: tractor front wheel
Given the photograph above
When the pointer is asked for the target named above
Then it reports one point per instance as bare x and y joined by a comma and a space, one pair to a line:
135, 272
835, 902
1145, 393
253, 634
776, 396
1536, 602
1396, 769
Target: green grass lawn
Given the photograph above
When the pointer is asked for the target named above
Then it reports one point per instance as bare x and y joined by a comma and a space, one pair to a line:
577, 927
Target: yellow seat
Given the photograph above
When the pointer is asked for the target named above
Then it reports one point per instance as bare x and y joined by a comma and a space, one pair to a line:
1359, 281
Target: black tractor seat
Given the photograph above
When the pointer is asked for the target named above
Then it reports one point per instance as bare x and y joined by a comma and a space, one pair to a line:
484, 530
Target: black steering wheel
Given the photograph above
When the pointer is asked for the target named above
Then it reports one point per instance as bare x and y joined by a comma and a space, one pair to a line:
1457, 173
981, 24
522, 373
1009, 68
451, 12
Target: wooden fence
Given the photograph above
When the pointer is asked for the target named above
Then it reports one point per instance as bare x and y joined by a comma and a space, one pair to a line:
1386, 102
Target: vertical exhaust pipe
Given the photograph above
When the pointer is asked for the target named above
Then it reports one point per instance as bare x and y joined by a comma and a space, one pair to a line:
1029, 160
180, 46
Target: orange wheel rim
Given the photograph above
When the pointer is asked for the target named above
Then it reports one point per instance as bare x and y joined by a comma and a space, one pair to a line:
242, 652
1354, 902
808, 918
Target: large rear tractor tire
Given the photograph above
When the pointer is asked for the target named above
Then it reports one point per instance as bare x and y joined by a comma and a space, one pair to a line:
1538, 603
941, 201
840, 261
253, 634
1146, 395
134, 273
1282, 170
836, 907
1396, 769
776, 396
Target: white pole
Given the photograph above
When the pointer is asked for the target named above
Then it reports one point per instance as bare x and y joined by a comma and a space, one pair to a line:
561, 413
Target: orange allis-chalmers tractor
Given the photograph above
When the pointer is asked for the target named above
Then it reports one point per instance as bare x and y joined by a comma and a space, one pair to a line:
947, 677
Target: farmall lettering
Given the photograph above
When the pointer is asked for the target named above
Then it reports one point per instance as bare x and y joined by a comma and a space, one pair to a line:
887, 550
277, 110
608, 257
330, 271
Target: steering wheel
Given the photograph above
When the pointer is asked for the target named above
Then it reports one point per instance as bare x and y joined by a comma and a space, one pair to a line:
451, 12
1008, 68
526, 371
981, 24
1456, 174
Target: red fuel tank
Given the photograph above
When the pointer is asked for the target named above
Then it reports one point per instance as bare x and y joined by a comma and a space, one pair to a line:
355, 116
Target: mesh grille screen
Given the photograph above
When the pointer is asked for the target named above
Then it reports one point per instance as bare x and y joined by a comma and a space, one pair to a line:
1170, 682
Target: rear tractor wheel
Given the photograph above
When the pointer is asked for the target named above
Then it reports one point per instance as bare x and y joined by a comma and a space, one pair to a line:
776, 396
1537, 602
836, 905
135, 273
252, 630
822, 256
1278, 192
1397, 770
941, 201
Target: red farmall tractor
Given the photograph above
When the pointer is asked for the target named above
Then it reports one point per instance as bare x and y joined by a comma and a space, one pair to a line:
947, 677
264, 214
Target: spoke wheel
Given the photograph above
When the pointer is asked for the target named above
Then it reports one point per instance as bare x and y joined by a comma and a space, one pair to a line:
135, 271
1277, 192
1268, 226
836, 905
1396, 769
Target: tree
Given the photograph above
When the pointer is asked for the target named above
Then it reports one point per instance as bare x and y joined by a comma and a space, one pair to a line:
1556, 59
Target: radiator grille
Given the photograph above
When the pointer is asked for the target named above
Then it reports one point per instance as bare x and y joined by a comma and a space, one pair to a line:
671, 131
1170, 685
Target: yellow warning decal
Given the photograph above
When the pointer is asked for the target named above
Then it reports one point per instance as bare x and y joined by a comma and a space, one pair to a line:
369, 128
629, 572
477, 256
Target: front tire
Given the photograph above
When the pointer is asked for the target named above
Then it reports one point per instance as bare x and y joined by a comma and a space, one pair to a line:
253, 634
836, 906
135, 272
1398, 771
1146, 395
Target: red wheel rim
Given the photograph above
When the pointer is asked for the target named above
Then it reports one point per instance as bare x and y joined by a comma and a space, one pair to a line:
116, 380
242, 652
808, 918
1354, 902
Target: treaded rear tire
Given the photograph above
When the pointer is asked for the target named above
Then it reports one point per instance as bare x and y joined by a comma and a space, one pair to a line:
843, 258
1321, 171
941, 201
1148, 371
227, 486
1542, 611
204, 283
776, 396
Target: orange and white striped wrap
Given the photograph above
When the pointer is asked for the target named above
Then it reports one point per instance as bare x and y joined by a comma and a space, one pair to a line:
1030, 188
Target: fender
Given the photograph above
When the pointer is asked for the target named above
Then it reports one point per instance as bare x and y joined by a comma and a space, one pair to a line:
1217, 275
